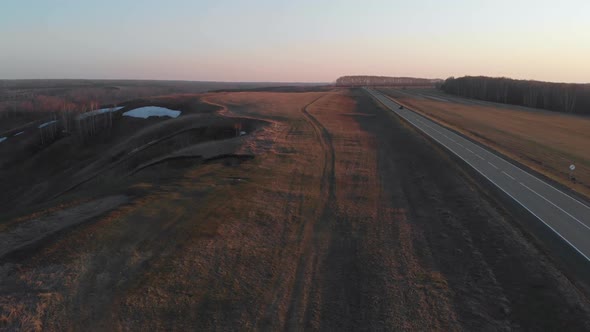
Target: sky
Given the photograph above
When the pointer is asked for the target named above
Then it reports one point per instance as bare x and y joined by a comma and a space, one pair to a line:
294, 41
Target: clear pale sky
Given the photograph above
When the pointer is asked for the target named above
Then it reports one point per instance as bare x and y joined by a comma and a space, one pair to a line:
298, 40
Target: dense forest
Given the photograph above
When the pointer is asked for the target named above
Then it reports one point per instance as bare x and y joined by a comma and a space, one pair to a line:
365, 80
559, 97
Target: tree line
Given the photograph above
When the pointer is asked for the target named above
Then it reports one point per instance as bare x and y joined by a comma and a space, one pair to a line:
559, 97
367, 80
70, 123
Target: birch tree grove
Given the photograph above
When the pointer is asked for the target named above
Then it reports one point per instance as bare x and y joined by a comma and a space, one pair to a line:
558, 97
364, 80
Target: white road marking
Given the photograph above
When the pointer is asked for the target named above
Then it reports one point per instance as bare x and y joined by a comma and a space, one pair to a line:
550, 202
494, 166
507, 193
469, 150
552, 187
549, 185
480, 157
519, 202
508, 175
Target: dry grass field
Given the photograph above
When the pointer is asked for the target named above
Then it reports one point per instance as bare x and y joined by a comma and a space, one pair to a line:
547, 142
341, 218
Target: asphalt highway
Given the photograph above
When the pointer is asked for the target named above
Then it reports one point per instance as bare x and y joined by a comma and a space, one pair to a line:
565, 215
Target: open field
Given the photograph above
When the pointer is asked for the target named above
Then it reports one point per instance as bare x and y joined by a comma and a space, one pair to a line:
26, 101
329, 214
547, 142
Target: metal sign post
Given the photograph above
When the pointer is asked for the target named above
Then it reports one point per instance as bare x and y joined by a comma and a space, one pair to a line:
572, 169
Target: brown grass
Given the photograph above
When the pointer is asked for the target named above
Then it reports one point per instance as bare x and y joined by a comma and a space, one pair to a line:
330, 227
416, 288
213, 217
546, 142
257, 217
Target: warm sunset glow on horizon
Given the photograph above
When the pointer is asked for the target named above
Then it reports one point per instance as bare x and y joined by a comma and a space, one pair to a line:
286, 41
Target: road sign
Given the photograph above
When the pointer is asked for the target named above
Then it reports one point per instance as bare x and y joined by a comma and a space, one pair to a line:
572, 167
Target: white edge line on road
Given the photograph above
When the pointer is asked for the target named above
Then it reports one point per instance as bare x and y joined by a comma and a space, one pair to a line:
550, 202
527, 173
552, 187
507, 193
537, 179
508, 175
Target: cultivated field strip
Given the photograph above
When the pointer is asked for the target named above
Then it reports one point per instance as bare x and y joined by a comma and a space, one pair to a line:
568, 217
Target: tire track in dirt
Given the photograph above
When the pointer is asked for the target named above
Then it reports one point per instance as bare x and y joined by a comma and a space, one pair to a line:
326, 293
294, 211
303, 309
328, 174
339, 286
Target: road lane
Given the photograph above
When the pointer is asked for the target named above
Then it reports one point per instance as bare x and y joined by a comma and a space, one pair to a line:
568, 217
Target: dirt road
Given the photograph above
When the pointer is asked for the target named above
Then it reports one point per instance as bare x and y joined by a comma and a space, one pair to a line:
346, 219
